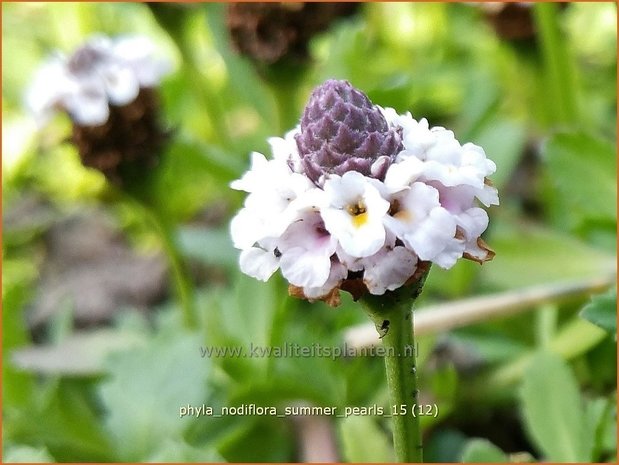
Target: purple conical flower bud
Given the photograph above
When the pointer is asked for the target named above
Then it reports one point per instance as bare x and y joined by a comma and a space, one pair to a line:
341, 130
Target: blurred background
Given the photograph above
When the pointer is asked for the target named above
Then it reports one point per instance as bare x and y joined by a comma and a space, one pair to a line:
109, 293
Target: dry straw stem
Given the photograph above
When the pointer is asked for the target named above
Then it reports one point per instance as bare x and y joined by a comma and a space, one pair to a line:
446, 316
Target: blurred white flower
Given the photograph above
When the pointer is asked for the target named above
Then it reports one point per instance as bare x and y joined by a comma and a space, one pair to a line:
364, 231
100, 73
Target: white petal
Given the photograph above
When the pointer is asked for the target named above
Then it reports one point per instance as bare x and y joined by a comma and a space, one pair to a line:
357, 241
388, 269
121, 84
133, 48
305, 268
403, 174
415, 205
351, 263
246, 229
432, 235
50, 84
473, 223
452, 175
363, 234
139, 54
251, 179
337, 273
285, 148
450, 254
258, 263
88, 108
488, 195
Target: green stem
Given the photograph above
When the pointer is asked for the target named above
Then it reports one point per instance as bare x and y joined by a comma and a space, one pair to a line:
559, 72
393, 317
281, 314
182, 283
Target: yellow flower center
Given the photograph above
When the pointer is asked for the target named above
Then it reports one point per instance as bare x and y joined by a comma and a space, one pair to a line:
359, 214
402, 215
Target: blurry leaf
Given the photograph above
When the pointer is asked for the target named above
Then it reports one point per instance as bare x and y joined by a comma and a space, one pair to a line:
245, 319
211, 246
259, 439
146, 387
553, 411
26, 454
71, 180
363, 441
503, 141
443, 384
62, 418
18, 276
310, 381
602, 311
481, 103
493, 348
452, 283
81, 354
584, 170
444, 445
188, 175
172, 450
602, 364
527, 254
482, 451
601, 420
242, 76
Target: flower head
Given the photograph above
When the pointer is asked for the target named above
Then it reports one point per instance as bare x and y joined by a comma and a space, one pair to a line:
107, 87
100, 73
274, 32
359, 198
341, 130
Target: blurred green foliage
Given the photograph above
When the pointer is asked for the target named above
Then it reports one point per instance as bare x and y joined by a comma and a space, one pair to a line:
543, 109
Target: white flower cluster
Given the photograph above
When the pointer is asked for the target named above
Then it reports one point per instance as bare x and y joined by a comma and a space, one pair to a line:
100, 73
353, 225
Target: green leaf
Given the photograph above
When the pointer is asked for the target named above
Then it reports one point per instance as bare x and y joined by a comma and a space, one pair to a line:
145, 389
528, 254
553, 411
80, 354
503, 142
492, 348
171, 450
364, 441
482, 451
258, 439
188, 175
601, 420
62, 418
584, 170
444, 445
211, 246
26, 454
602, 311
